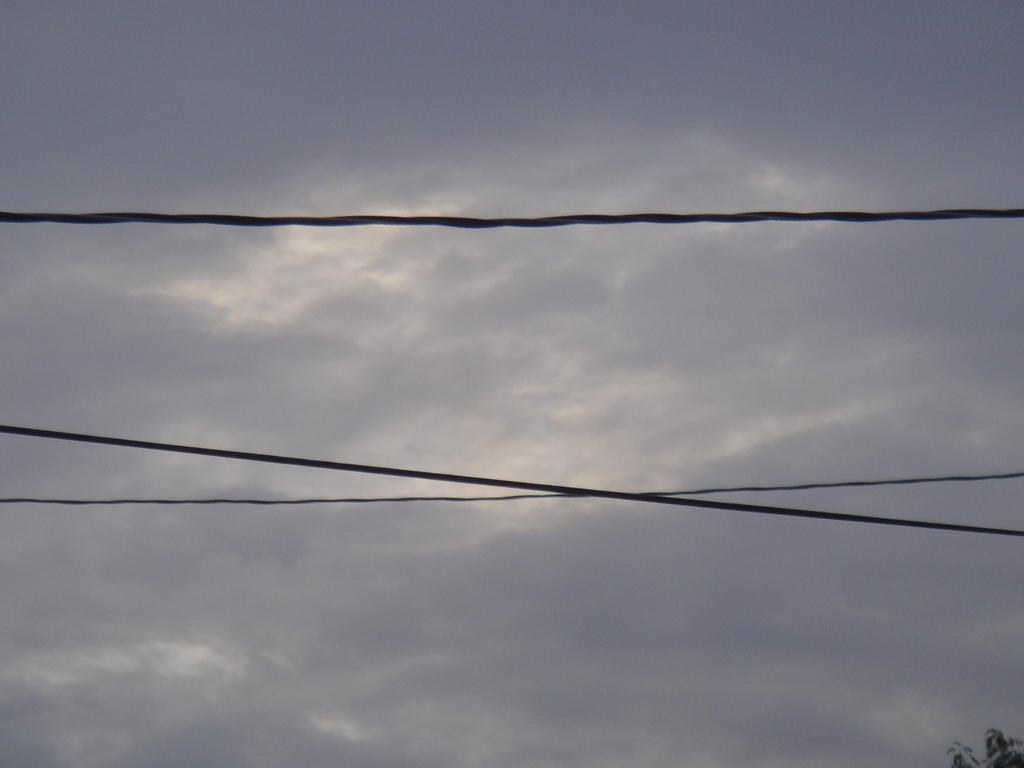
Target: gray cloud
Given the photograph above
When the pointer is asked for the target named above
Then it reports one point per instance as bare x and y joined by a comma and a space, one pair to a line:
555, 632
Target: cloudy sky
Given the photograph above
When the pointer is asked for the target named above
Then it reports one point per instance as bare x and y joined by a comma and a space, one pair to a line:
527, 633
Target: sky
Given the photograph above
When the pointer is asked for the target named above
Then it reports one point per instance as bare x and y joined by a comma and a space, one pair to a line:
545, 632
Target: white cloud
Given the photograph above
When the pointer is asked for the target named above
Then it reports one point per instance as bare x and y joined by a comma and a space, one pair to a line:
172, 659
338, 726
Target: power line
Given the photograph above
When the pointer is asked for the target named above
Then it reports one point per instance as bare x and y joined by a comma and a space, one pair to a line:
566, 490
276, 502
508, 497
470, 222
849, 484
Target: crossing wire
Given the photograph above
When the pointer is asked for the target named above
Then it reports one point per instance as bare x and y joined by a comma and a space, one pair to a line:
471, 222
506, 497
566, 490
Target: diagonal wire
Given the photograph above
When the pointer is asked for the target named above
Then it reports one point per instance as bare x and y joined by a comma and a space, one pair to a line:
508, 497
567, 490
471, 222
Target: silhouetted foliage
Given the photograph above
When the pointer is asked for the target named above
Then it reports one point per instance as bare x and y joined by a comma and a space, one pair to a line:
1000, 752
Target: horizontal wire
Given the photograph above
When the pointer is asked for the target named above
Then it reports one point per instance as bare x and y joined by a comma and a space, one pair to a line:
848, 484
277, 502
567, 490
470, 222
509, 497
